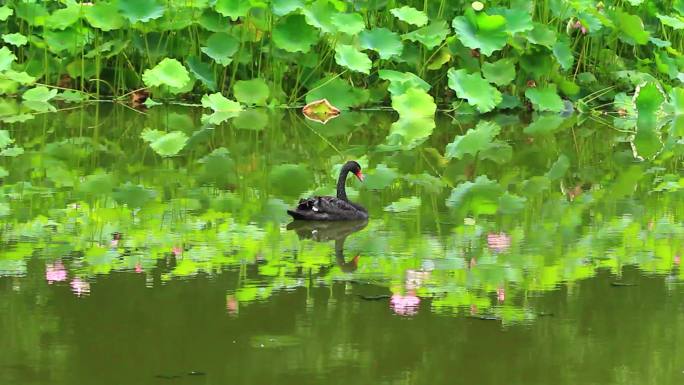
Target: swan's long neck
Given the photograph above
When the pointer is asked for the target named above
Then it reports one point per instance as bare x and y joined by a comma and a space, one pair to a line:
341, 191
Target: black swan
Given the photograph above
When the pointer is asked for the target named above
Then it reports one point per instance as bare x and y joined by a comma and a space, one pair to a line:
326, 231
328, 208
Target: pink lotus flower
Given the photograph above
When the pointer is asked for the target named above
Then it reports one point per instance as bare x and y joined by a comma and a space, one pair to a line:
500, 294
55, 272
177, 250
406, 305
232, 305
138, 268
80, 286
498, 242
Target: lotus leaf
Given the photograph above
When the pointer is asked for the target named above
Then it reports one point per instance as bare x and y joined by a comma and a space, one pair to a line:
511, 203
202, 71
39, 94
19, 77
631, 28
472, 87
414, 103
283, 7
233, 9
545, 98
475, 140
165, 144
33, 13
254, 119
338, 92
385, 42
677, 100
484, 32
403, 205
5, 12
7, 57
676, 22
320, 15
71, 39
410, 15
221, 47
169, 72
380, 178
134, 196
290, 179
563, 53
542, 35
407, 133
141, 10
15, 39
559, 168
400, 82
498, 152
253, 91
430, 36
223, 108
349, 57
64, 17
293, 34
517, 20
5, 139
501, 72
479, 197
349, 23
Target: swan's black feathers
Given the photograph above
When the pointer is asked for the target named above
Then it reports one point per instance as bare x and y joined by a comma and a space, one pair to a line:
328, 208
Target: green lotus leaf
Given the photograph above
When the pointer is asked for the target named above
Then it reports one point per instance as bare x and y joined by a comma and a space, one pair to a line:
631, 28
349, 23
134, 196
472, 87
407, 133
293, 34
320, 15
511, 203
481, 31
400, 82
223, 108
410, 15
559, 168
5, 139
221, 47
283, 7
7, 57
498, 152
290, 179
12, 152
542, 35
676, 22
649, 101
19, 77
34, 14
430, 36
5, 12
214, 22
233, 9
165, 144
563, 53
141, 10
15, 39
383, 41
475, 140
338, 92
517, 20
500, 72
71, 39
72, 96
544, 124
537, 62
104, 15
479, 197
251, 92
545, 98
255, 119
403, 205
676, 96
202, 71
413, 104
349, 57
439, 59
39, 94
64, 17
169, 72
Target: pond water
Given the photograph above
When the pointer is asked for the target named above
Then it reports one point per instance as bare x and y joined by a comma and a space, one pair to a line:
549, 256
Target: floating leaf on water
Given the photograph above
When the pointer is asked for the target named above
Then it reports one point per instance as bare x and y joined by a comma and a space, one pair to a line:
251, 92
39, 94
410, 15
15, 39
472, 87
141, 10
349, 23
430, 36
221, 47
165, 144
545, 98
383, 41
293, 34
351, 58
481, 31
104, 15
320, 111
475, 140
169, 72
403, 205
223, 108
233, 9
501, 72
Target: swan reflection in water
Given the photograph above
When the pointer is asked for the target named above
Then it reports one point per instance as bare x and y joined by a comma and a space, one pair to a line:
338, 231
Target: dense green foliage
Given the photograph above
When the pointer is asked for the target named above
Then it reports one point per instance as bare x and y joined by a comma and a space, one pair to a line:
497, 55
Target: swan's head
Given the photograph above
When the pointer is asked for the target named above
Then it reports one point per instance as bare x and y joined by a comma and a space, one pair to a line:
353, 167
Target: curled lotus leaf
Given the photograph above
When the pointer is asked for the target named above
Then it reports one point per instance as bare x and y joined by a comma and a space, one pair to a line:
169, 72
320, 111
481, 31
410, 15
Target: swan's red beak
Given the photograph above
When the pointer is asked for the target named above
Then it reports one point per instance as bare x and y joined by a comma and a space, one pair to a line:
359, 175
